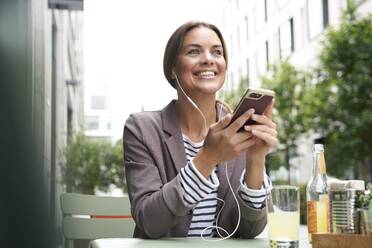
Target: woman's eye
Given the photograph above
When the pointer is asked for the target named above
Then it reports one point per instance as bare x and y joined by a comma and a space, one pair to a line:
217, 53
193, 52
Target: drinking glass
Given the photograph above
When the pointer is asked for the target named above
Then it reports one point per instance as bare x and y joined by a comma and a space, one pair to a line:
283, 216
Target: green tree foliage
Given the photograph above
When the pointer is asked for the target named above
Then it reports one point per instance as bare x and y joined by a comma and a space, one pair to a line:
90, 164
343, 94
292, 87
303, 204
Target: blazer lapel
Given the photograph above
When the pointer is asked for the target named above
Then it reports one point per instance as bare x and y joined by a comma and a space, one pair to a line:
173, 137
177, 152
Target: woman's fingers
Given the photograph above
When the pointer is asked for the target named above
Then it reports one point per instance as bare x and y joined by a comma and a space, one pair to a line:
245, 145
240, 137
263, 119
266, 137
262, 128
240, 121
226, 137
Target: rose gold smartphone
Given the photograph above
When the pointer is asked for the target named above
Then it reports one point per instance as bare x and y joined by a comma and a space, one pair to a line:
258, 99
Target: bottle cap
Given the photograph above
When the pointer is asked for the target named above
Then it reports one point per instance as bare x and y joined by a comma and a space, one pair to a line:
318, 147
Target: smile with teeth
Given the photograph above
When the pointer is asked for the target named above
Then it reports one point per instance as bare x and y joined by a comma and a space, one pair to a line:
206, 74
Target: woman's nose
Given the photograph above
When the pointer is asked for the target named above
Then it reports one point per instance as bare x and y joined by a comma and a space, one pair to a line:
207, 58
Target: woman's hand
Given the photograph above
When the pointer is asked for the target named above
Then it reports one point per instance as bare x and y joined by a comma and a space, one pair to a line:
264, 134
223, 142
264, 139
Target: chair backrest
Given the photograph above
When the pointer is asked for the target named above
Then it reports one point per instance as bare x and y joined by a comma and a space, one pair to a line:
93, 217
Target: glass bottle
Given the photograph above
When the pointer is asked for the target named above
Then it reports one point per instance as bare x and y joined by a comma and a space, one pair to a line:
317, 195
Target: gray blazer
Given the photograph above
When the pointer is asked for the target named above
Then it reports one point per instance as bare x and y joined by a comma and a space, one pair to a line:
153, 155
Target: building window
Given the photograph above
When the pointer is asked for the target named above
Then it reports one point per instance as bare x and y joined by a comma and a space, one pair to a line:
98, 102
108, 123
91, 122
108, 126
325, 13
286, 39
317, 17
265, 6
246, 27
69, 122
291, 24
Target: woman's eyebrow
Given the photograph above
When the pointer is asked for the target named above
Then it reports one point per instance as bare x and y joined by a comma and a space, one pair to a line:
192, 45
198, 45
217, 46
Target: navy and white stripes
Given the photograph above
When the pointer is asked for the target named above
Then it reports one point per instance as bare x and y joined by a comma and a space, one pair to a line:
201, 193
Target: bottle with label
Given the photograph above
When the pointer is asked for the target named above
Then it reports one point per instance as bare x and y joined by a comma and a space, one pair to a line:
317, 195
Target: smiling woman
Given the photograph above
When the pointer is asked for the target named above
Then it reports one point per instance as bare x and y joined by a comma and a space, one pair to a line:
201, 63
179, 161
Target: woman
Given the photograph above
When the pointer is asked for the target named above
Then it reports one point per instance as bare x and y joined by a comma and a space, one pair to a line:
176, 158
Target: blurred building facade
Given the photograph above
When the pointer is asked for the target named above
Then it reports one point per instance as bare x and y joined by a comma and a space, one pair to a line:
67, 92
262, 32
42, 53
98, 111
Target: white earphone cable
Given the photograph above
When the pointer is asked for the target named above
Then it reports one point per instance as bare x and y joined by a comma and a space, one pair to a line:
218, 228
223, 204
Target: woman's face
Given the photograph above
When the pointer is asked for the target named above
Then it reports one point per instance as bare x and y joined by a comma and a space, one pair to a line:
201, 66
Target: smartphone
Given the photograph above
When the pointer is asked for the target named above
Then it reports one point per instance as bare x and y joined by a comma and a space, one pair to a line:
258, 99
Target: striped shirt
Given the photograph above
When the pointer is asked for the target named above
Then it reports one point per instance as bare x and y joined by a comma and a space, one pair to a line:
200, 193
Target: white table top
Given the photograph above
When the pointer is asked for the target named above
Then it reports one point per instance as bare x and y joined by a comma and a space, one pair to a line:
258, 242
185, 242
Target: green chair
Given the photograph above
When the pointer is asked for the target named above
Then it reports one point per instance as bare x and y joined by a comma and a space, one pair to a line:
92, 217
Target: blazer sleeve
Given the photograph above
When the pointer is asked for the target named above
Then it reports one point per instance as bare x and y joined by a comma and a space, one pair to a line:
156, 206
253, 221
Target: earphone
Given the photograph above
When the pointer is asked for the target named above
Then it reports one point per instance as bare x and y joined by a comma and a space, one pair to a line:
227, 177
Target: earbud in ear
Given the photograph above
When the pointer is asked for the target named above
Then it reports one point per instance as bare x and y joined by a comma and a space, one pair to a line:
173, 74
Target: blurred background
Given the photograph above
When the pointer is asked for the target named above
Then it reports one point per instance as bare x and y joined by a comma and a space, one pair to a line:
73, 70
